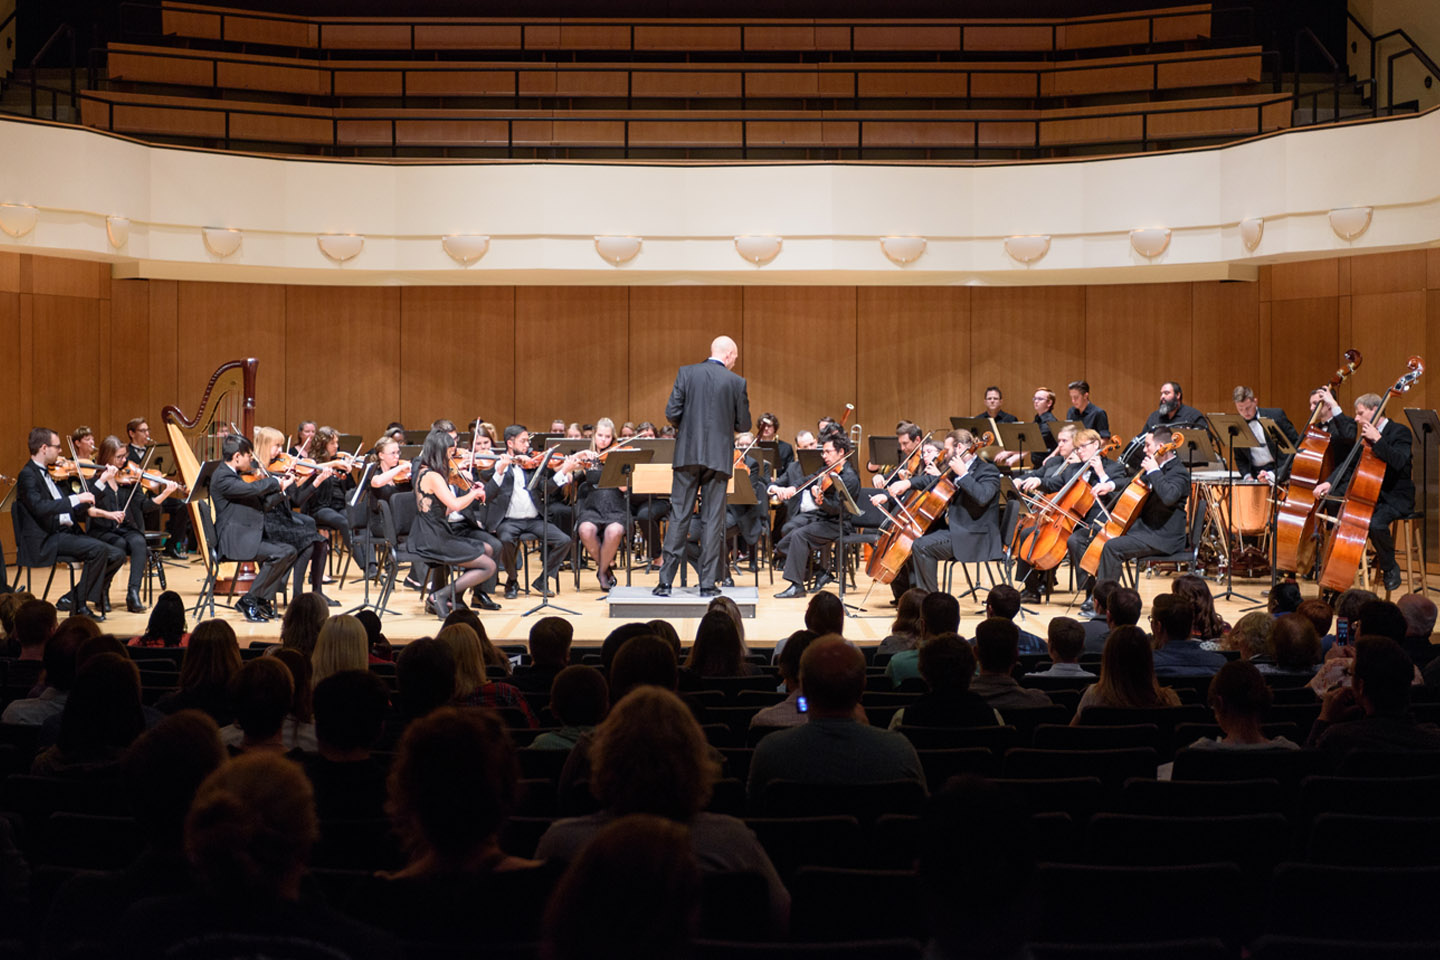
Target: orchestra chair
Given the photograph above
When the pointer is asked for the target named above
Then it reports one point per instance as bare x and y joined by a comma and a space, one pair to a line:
206, 598
24, 561
154, 563
1406, 531
1188, 555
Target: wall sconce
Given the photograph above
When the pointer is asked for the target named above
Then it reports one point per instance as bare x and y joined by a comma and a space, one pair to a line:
17, 219
758, 250
903, 250
617, 250
340, 246
221, 241
1150, 241
118, 230
465, 249
1251, 230
1028, 249
1349, 222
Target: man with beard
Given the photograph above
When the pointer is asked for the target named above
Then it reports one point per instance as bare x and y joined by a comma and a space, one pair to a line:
1174, 413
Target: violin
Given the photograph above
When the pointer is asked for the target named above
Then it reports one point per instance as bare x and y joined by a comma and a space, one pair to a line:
63, 469
1040, 538
827, 479
302, 467
1127, 508
1295, 516
404, 475
457, 477
152, 482
1352, 529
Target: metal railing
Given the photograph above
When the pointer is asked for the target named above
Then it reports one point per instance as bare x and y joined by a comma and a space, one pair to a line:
1412, 49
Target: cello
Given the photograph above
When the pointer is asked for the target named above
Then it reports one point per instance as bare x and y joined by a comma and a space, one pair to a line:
1295, 515
1127, 508
1347, 544
914, 517
1040, 537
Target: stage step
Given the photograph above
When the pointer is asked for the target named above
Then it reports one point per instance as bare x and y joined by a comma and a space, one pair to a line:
638, 603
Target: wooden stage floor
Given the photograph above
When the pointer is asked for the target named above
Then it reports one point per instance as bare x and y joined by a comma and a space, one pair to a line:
774, 618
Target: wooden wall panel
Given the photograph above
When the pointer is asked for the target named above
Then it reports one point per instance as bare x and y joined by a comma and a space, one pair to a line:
1306, 279
1022, 338
1136, 338
68, 397
66, 278
802, 358
1304, 337
572, 349
219, 322
13, 425
1388, 272
9, 272
457, 355
671, 327
340, 358
914, 343
1227, 345
165, 356
1392, 328
134, 391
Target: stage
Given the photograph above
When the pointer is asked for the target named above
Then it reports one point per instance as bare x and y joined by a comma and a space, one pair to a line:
592, 618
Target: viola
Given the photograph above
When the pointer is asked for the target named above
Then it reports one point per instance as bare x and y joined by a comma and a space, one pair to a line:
1127, 508
1347, 542
1040, 537
912, 518
1295, 516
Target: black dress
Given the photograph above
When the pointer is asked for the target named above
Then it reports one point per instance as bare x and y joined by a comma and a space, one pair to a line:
600, 505
284, 525
430, 537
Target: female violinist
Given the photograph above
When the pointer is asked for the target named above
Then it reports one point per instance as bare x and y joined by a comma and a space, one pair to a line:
1052, 465
116, 519
390, 476
769, 426
329, 503
601, 512
283, 524
431, 537
304, 440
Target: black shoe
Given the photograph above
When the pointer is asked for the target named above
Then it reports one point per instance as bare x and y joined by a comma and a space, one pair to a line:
63, 603
84, 611
414, 584
105, 602
132, 602
709, 591
512, 591
266, 610
1029, 595
329, 602
541, 585
728, 582
439, 603
484, 602
251, 609
822, 580
1392, 578
1087, 609
794, 591
661, 590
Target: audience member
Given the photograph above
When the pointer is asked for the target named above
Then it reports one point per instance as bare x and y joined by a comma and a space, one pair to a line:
666, 631
102, 717
249, 835
617, 639
1098, 626
342, 645
1003, 602
939, 614
1380, 618
377, 645
650, 756
304, 616
298, 731
1419, 613
996, 648
787, 713
1347, 608
1284, 598
1177, 653
732, 610
824, 615
579, 699
1250, 637
645, 660
349, 782
550, 639
905, 631
1321, 616
261, 694
1295, 650
1239, 698
10, 603
832, 746
947, 663
1372, 712
35, 622
716, 652
1066, 637
166, 627
473, 688
425, 677
1206, 624
58, 652
633, 893
212, 659
1127, 676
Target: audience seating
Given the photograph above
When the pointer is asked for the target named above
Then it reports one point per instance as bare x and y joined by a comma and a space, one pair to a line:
864, 801
834, 903
1359, 840
1104, 904
896, 949
825, 841
1113, 767
1354, 903
1199, 798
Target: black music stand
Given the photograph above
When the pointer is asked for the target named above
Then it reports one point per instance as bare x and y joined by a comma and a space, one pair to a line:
741, 495
853, 508
1014, 436
1235, 432
1283, 448
1426, 426
619, 466
539, 475
767, 453
884, 450
811, 462
362, 495
978, 426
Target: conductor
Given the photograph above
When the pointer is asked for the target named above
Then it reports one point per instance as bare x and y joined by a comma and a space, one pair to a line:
708, 406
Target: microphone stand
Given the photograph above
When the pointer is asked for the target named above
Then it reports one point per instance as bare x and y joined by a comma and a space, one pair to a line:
544, 540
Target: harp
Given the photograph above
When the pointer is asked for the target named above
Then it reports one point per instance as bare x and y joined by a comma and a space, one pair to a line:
228, 406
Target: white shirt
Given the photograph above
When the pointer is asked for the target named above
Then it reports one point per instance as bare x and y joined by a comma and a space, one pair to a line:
66, 520
522, 505
1260, 456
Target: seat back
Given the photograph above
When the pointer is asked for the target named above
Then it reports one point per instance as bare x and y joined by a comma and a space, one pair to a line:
864, 801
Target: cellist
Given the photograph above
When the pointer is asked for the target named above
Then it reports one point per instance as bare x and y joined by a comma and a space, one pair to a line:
973, 514
1390, 442
1160, 527
1084, 451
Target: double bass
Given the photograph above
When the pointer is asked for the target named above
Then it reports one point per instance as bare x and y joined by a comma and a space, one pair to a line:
1127, 508
912, 518
1295, 516
1352, 529
1040, 537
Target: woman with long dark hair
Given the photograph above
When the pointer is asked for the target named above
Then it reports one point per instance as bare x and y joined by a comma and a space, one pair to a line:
430, 537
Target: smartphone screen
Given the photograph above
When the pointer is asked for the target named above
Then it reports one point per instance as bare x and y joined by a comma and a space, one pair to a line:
1342, 631
802, 705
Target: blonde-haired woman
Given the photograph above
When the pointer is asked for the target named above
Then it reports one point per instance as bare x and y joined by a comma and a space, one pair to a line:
602, 509
285, 525
473, 686
342, 645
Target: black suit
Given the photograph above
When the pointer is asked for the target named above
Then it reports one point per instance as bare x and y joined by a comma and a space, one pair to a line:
44, 537
1184, 416
240, 528
974, 534
1397, 490
498, 494
808, 530
708, 405
1280, 466
1079, 538
1160, 528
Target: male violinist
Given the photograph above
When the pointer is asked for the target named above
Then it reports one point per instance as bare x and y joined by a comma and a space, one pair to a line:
47, 525
907, 438
817, 518
240, 525
174, 508
1160, 527
515, 512
1263, 462
1391, 442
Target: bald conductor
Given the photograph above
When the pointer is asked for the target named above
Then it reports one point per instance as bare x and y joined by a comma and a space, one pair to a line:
707, 407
